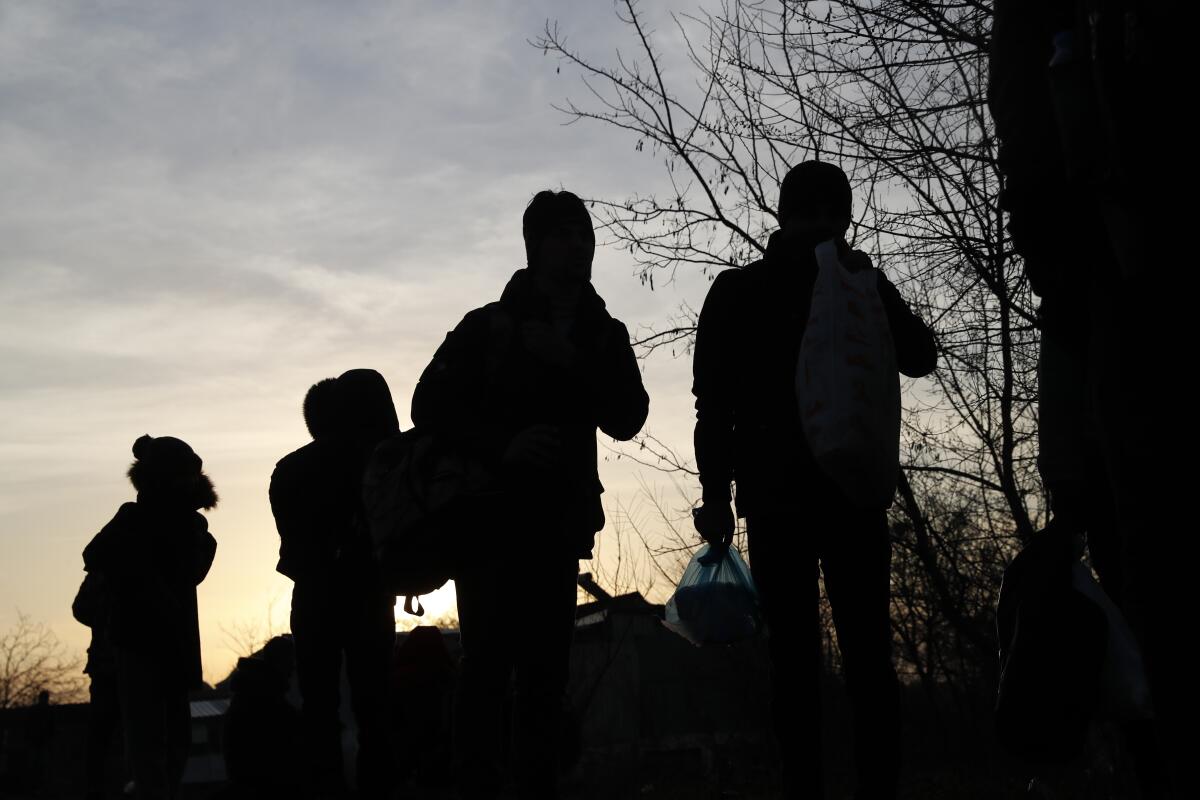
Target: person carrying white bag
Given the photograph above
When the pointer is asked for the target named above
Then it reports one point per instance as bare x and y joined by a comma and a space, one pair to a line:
801, 523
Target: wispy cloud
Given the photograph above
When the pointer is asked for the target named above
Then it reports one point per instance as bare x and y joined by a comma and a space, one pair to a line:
207, 206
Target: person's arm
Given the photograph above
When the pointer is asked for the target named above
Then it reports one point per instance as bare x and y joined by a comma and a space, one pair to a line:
713, 384
916, 351
615, 385
300, 517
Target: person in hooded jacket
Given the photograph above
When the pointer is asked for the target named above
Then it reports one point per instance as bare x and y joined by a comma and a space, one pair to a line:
523, 384
748, 433
152, 556
340, 608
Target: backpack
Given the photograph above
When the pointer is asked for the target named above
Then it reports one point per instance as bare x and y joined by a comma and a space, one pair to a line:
848, 384
423, 499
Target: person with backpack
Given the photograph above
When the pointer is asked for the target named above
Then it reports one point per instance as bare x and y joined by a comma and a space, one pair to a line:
798, 519
151, 557
522, 385
340, 608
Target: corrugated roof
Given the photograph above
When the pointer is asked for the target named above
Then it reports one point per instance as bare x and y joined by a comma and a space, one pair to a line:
205, 709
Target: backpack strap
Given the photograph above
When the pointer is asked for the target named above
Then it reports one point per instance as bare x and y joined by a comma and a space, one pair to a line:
409, 601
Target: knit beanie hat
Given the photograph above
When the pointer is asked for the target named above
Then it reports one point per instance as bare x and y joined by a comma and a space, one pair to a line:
166, 454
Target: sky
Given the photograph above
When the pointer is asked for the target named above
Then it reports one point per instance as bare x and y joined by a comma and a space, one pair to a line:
206, 207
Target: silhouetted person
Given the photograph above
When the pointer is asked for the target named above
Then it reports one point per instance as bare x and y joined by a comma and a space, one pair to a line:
92, 608
1073, 84
523, 384
748, 432
422, 679
262, 732
152, 556
339, 606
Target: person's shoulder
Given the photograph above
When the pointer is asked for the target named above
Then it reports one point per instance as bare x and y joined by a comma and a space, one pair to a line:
478, 323
128, 512
883, 283
309, 462
732, 277
298, 458
129, 516
734, 282
483, 313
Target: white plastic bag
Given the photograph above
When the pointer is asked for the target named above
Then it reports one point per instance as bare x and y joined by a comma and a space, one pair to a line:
1124, 687
847, 383
715, 602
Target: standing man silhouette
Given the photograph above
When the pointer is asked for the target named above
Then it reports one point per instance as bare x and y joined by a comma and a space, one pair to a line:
523, 384
748, 433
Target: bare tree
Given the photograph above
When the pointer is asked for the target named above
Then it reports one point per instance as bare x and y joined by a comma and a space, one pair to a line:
246, 637
32, 660
894, 92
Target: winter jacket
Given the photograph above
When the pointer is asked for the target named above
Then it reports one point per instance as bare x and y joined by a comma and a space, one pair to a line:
483, 387
314, 497
744, 371
316, 491
153, 557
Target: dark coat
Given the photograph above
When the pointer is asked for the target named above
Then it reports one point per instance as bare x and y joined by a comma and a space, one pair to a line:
315, 499
483, 387
316, 491
744, 372
153, 557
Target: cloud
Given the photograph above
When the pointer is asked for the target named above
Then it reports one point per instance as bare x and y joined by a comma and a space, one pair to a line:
207, 206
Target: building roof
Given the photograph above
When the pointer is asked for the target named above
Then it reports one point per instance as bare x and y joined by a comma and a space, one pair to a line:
207, 709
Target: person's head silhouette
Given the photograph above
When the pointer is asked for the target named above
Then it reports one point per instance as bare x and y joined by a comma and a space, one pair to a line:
815, 203
559, 241
367, 411
322, 416
168, 472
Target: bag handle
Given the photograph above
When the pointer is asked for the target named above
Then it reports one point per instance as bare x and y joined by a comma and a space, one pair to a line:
409, 600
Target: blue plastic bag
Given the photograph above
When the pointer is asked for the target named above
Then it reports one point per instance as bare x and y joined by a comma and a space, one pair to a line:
715, 601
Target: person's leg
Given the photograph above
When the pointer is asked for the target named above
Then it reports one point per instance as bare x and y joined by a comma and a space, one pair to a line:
856, 563
370, 636
318, 671
786, 577
484, 677
104, 717
542, 662
143, 711
177, 725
